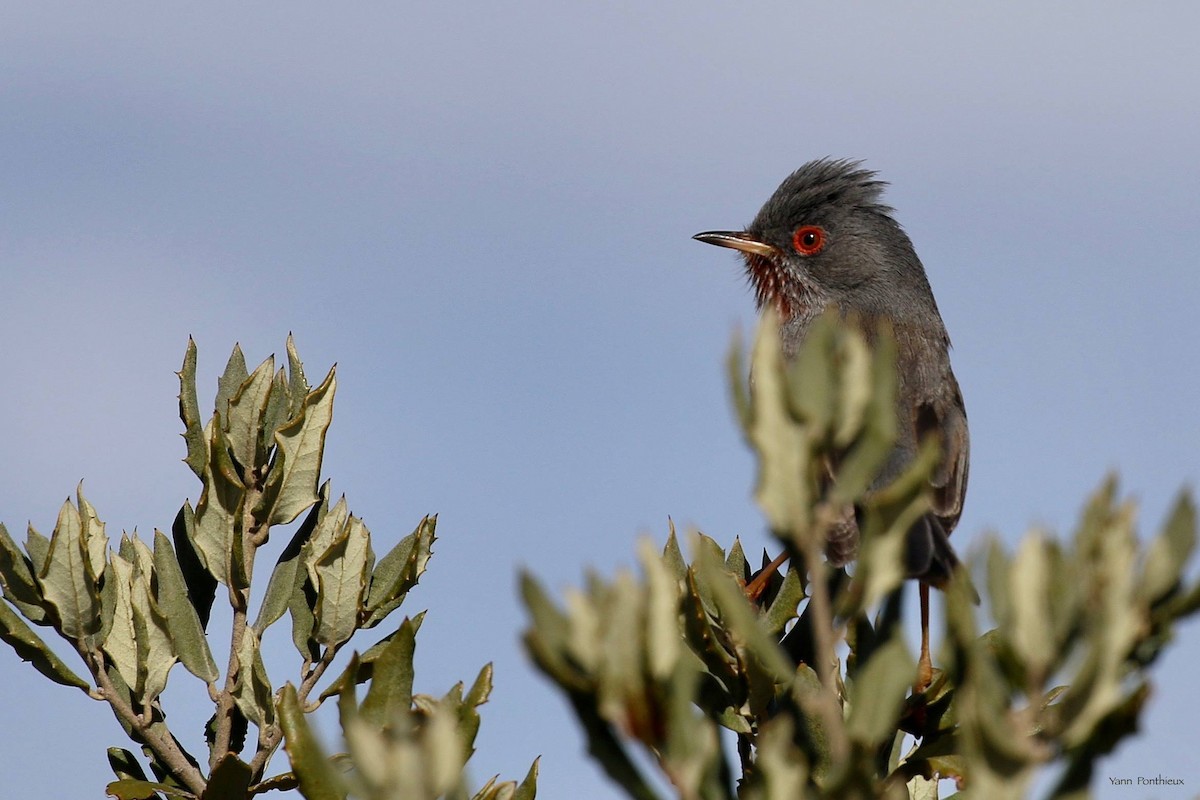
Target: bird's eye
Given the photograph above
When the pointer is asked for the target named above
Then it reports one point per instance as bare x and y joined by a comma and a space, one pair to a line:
808, 240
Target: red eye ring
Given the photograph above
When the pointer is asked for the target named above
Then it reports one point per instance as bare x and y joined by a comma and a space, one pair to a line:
809, 240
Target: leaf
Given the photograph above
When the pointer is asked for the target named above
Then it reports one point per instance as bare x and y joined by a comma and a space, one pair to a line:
17, 579
298, 387
287, 577
201, 585
131, 789
783, 489
183, 624
528, 788
29, 647
398, 571
38, 547
95, 543
878, 694
67, 579
1170, 551
125, 765
784, 607
155, 651
363, 667
292, 483
227, 385
342, 579
218, 514
121, 642
277, 410
252, 689
229, 779
189, 413
392, 679
1031, 632
247, 407
318, 780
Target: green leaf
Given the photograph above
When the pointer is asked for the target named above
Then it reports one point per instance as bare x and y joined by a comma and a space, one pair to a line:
17, 580
784, 488
218, 514
342, 578
29, 647
1031, 632
528, 788
398, 571
234, 376
784, 607
392, 679
125, 765
247, 408
277, 410
95, 543
318, 780
131, 789
189, 413
229, 779
292, 484
878, 694
252, 689
67, 579
182, 621
201, 585
362, 669
155, 651
298, 387
287, 577
121, 642
1170, 551
38, 548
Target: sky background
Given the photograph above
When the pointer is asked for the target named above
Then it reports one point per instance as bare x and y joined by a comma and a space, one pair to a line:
482, 212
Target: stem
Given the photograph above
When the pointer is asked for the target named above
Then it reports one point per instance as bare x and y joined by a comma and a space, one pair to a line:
270, 736
161, 742
829, 707
253, 534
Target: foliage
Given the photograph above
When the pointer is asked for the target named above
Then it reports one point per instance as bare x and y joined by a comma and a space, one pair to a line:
813, 675
133, 613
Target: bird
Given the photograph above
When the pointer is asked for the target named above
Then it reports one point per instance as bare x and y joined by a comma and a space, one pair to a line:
825, 240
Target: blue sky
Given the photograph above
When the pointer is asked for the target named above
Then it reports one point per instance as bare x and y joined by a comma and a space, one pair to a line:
483, 215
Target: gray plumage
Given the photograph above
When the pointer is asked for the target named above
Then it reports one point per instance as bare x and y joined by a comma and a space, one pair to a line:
824, 239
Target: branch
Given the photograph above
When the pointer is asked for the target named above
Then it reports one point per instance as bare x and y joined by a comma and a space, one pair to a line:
164, 746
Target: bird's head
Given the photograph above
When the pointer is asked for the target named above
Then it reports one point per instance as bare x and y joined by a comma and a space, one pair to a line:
824, 238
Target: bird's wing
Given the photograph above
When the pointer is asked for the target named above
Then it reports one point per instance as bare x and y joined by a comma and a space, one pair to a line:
945, 416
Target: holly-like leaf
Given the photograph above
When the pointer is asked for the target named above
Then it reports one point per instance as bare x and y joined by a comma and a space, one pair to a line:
29, 647
121, 642
390, 691
292, 483
187, 635
67, 578
289, 573
218, 514
189, 413
342, 578
247, 408
317, 777
252, 690
17, 580
201, 585
398, 571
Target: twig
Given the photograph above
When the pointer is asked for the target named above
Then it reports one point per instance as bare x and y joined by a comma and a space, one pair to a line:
823, 639
164, 745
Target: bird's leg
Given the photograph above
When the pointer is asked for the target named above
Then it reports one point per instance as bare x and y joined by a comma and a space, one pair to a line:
756, 587
924, 664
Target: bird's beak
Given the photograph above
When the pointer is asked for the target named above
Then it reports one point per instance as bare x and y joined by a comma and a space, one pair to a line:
739, 240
